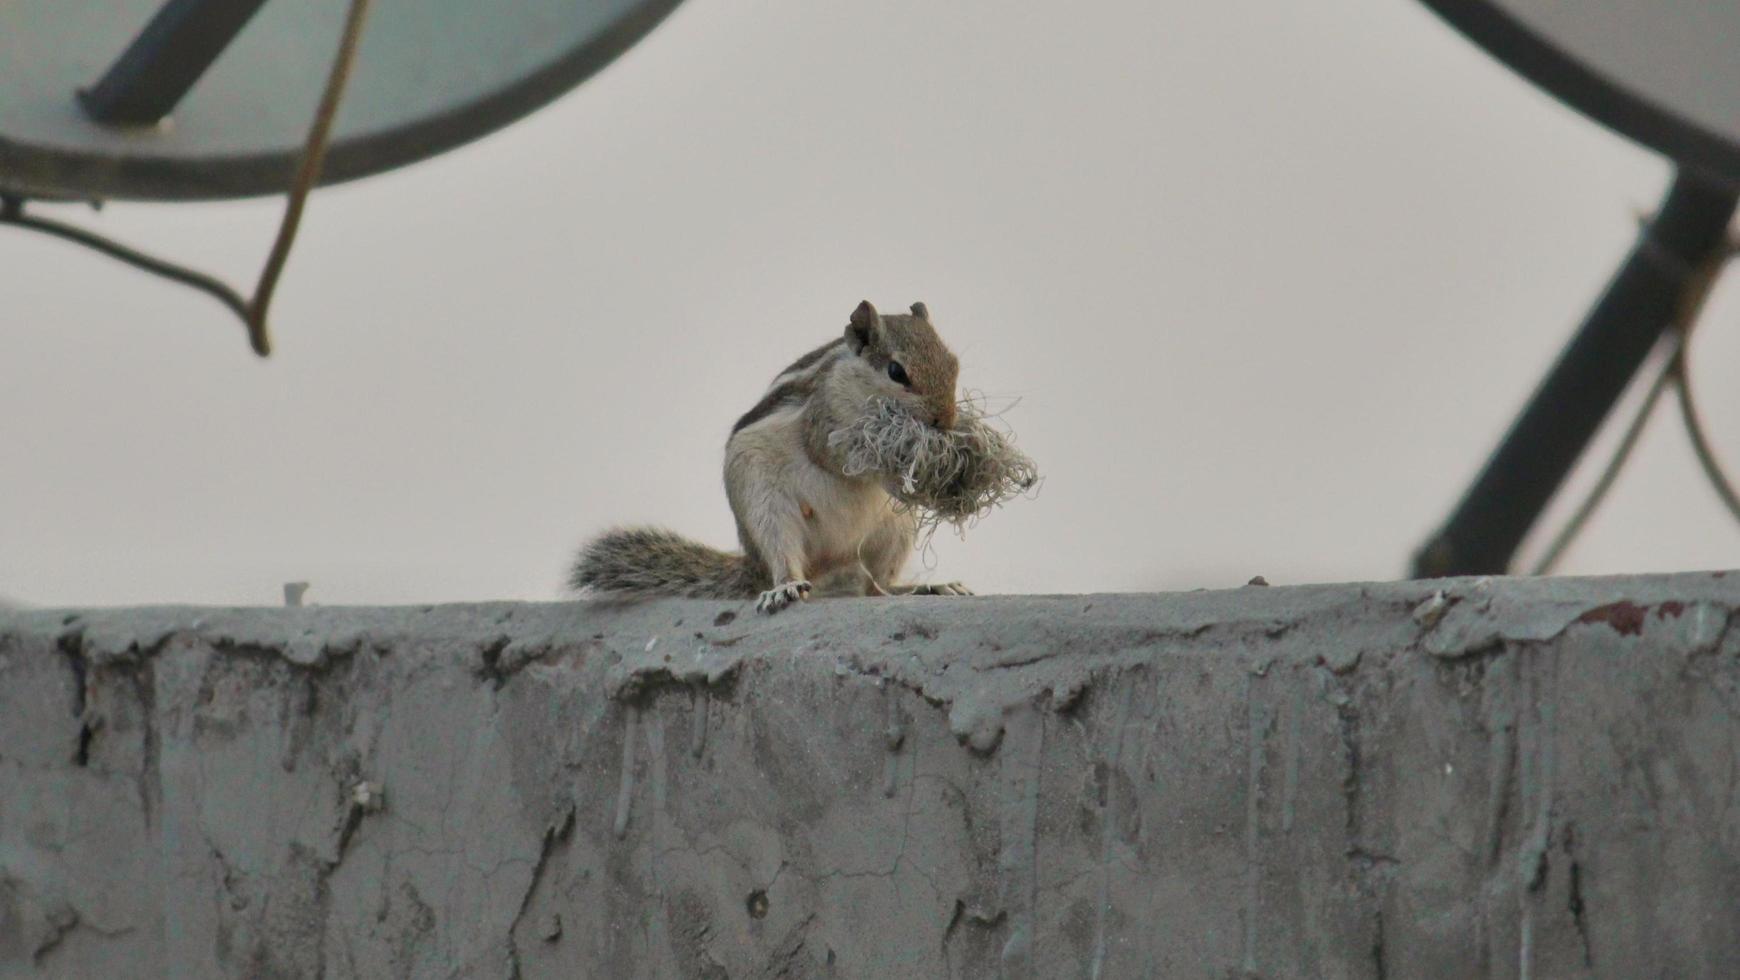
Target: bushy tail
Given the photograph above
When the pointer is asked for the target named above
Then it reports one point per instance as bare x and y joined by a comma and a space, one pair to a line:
650, 561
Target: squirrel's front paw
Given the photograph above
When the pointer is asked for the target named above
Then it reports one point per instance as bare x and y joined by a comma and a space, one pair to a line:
780, 596
942, 588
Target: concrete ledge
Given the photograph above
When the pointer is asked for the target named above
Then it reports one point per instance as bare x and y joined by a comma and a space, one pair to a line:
1510, 776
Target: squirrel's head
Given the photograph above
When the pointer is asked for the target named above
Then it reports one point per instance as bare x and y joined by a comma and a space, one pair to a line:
899, 357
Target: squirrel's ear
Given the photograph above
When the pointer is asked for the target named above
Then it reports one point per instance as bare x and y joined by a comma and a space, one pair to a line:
862, 329
921, 311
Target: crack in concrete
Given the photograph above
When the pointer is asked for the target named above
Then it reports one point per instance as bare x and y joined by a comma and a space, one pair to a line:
1574, 899
554, 835
1259, 720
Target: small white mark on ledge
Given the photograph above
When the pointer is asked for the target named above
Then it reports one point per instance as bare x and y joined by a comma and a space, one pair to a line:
1430, 611
367, 796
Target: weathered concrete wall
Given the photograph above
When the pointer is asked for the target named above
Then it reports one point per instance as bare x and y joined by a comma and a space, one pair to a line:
1352, 781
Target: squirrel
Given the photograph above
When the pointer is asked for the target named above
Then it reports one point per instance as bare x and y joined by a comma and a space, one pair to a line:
803, 523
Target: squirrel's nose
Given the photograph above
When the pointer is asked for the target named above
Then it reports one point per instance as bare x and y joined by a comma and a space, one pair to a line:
945, 416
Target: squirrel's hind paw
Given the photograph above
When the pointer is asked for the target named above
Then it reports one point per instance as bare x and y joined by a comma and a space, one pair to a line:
780, 596
941, 588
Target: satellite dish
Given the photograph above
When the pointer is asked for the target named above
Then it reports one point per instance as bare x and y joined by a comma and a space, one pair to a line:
183, 100
177, 100
1663, 73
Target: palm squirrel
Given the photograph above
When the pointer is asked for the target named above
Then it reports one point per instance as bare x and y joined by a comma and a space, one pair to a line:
800, 518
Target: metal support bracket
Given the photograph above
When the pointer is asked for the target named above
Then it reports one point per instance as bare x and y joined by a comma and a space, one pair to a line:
1641, 301
185, 37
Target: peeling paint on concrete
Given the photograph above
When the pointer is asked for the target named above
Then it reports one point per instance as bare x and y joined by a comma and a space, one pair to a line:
1503, 777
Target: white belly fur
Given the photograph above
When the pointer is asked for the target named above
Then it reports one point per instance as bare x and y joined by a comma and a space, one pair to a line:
845, 514
838, 515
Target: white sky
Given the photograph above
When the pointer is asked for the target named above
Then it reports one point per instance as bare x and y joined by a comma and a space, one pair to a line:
1268, 279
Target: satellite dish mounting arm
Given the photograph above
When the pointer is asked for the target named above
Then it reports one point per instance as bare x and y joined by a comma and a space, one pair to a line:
162, 64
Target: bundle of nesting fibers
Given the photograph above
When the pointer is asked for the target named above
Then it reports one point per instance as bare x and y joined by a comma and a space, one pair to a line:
947, 476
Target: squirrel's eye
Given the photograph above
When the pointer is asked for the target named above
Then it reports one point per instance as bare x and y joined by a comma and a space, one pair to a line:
897, 374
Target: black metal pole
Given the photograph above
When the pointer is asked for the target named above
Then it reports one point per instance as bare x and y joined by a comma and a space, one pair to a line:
1543, 444
166, 59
